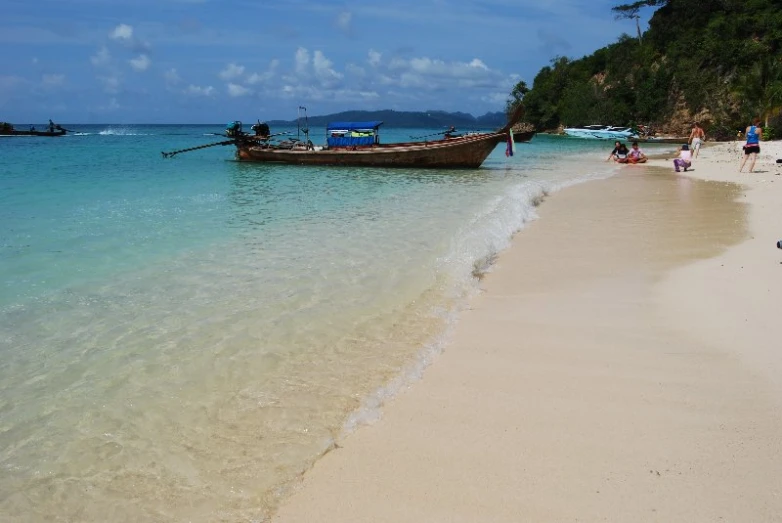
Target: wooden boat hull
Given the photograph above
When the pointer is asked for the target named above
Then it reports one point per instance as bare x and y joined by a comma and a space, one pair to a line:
464, 152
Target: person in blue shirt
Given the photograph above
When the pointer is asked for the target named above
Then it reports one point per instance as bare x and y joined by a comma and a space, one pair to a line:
752, 147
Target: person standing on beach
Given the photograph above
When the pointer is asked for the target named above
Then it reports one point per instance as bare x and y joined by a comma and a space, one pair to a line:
697, 136
752, 147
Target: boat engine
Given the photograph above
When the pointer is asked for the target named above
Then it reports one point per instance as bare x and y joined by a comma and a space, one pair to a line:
261, 129
234, 129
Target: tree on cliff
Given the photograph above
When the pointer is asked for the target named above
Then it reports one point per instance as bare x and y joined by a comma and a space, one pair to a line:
761, 87
717, 59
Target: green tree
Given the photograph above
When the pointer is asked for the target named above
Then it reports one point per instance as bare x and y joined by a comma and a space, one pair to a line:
516, 96
716, 57
760, 89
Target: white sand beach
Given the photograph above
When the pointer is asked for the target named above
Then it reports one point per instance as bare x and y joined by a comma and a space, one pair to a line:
622, 364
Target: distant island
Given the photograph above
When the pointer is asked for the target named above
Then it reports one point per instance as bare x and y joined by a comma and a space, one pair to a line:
422, 119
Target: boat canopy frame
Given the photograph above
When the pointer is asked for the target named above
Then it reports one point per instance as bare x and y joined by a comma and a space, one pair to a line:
352, 134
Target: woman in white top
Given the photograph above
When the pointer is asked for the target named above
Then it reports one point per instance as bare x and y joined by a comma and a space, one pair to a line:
684, 160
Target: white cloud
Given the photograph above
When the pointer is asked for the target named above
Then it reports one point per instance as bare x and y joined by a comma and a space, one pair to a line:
355, 70
318, 69
302, 60
433, 74
410, 80
374, 58
111, 84
261, 78
172, 77
199, 91
232, 71
498, 98
9, 82
237, 90
121, 32
311, 75
102, 57
124, 34
479, 64
317, 93
343, 21
323, 69
53, 80
140, 63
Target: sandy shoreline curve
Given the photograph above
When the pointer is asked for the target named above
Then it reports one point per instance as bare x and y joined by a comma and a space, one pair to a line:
621, 365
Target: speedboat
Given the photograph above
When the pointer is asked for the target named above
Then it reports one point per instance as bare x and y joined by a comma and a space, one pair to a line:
601, 132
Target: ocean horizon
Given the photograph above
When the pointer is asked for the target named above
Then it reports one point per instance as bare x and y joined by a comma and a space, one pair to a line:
182, 338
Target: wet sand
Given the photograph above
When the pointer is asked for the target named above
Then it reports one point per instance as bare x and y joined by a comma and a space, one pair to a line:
610, 372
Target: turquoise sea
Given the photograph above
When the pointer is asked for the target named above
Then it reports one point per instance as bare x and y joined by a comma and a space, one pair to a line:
181, 338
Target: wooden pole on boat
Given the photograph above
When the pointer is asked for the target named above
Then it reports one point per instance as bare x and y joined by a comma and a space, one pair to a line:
174, 153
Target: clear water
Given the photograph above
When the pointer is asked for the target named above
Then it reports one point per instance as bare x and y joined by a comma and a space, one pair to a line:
180, 338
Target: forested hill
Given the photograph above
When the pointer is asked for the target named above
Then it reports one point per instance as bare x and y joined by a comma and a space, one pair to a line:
716, 61
427, 119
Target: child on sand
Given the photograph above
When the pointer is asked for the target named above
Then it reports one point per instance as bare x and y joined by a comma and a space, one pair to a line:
636, 155
684, 160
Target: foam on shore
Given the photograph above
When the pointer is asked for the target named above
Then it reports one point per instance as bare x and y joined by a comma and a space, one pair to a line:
596, 378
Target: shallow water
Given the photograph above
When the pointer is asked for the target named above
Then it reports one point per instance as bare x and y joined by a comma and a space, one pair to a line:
181, 338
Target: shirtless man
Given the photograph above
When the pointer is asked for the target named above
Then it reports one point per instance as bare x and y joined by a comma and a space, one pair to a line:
697, 136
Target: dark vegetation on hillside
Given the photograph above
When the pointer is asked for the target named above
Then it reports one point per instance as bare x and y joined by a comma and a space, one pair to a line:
425, 119
716, 61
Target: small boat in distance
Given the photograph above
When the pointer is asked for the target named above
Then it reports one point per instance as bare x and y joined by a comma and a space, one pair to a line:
7, 129
358, 144
601, 132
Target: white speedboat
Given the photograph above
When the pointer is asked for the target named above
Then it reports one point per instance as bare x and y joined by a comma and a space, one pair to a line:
601, 132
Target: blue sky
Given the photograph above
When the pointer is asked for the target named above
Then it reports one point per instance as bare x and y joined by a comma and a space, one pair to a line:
207, 61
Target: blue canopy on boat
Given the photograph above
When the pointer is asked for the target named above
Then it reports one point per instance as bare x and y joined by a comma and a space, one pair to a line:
352, 126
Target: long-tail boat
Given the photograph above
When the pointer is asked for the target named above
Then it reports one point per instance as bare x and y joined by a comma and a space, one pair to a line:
7, 129
358, 144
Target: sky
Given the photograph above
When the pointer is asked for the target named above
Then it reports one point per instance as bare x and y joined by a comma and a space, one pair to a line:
208, 61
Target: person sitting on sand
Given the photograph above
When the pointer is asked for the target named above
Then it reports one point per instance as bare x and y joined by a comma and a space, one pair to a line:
636, 155
619, 154
684, 161
613, 153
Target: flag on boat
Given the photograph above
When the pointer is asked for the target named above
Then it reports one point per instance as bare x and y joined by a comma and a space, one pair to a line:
511, 148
